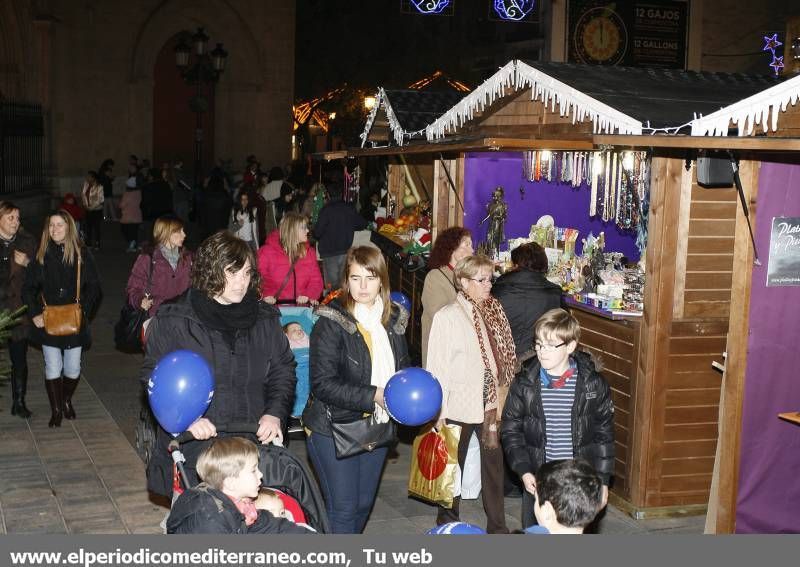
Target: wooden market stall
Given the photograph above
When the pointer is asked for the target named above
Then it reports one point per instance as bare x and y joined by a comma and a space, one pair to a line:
659, 364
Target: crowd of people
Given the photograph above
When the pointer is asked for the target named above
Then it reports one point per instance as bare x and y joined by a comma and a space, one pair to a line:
506, 355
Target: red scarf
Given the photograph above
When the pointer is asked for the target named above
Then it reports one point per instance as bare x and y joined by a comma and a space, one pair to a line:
248, 509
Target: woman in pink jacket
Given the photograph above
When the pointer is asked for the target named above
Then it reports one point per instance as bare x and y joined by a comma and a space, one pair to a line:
288, 264
171, 267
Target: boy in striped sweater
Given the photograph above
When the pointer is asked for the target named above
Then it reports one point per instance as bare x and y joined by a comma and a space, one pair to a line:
558, 407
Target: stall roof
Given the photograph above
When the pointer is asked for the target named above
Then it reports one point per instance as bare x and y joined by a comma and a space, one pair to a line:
618, 100
762, 108
407, 112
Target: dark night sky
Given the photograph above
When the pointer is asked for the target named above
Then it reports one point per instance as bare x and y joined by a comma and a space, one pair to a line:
371, 43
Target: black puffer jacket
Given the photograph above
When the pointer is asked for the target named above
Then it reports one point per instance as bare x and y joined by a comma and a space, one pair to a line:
56, 281
522, 431
525, 296
340, 365
205, 510
253, 377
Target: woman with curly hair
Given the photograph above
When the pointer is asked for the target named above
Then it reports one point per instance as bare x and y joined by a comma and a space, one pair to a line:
450, 246
222, 318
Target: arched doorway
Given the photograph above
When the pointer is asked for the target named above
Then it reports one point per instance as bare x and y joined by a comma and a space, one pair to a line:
175, 125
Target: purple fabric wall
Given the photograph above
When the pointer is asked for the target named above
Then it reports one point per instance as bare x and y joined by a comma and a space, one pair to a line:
569, 207
769, 490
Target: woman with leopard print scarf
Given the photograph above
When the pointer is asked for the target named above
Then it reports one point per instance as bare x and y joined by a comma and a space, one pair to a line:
471, 352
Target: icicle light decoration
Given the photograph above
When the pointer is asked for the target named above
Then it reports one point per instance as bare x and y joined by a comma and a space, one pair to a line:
484, 95
400, 135
747, 113
372, 114
550, 91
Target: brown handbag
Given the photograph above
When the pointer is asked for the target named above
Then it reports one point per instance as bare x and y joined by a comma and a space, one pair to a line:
64, 320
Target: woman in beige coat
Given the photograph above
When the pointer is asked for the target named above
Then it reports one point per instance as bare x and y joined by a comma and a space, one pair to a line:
451, 246
471, 352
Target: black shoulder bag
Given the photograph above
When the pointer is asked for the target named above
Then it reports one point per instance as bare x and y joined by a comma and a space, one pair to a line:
360, 436
128, 330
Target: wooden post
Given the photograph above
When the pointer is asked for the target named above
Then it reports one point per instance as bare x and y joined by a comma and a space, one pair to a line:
666, 175
730, 428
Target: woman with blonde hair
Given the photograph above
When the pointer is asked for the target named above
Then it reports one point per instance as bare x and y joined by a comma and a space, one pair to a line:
62, 273
288, 264
471, 352
162, 271
357, 344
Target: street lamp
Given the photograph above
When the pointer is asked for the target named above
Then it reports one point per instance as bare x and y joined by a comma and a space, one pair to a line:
205, 70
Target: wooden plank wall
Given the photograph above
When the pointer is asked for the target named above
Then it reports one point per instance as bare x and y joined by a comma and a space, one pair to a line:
615, 346
709, 255
691, 409
684, 331
522, 117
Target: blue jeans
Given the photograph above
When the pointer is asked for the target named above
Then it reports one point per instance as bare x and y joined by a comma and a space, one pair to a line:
57, 360
348, 485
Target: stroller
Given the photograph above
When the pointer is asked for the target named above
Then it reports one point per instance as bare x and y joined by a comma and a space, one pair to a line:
282, 471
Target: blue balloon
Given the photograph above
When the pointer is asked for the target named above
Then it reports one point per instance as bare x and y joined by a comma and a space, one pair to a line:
402, 299
456, 528
180, 390
413, 396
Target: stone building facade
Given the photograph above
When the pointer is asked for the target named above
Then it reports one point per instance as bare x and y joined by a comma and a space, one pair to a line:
91, 64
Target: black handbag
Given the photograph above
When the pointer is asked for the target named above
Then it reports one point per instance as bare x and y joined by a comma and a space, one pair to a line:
128, 329
361, 436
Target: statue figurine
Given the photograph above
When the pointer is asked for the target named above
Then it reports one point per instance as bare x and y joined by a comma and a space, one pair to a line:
497, 211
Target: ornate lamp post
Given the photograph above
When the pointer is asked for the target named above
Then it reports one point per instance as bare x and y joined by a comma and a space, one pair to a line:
205, 70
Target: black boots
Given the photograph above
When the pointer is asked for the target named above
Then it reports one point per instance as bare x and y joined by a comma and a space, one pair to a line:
69, 388
55, 393
19, 386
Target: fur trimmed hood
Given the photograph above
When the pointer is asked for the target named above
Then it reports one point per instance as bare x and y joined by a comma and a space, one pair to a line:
335, 311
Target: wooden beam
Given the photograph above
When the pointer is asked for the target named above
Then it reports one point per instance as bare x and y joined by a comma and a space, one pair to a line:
730, 428
496, 144
771, 144
682, 247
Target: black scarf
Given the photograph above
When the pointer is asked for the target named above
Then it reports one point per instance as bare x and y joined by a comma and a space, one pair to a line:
225, 318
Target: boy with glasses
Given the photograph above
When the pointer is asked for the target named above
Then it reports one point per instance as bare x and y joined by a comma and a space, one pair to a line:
558, 407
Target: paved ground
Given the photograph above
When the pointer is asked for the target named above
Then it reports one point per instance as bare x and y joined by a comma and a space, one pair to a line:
85, 477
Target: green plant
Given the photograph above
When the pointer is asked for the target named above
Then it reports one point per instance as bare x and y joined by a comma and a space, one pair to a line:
7, 320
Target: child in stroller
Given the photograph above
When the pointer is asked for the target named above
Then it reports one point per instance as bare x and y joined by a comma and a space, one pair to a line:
229, 499
297, 324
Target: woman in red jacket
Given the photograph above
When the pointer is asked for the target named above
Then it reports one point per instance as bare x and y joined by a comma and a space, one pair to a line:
288, 264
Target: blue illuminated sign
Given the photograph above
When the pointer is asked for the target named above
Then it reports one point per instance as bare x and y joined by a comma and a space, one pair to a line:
513, 10
430, 6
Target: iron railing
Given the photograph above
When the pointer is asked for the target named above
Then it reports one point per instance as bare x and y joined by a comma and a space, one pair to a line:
22, 162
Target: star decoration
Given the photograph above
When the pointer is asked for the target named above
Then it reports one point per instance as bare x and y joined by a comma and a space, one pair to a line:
772, 43
777, 64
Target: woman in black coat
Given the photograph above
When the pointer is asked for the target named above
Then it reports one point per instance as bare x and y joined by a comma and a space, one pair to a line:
53, 279
222, 318
357, 344
526, 294
17, 249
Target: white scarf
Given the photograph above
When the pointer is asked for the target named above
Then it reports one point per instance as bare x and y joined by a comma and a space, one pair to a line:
382, 355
